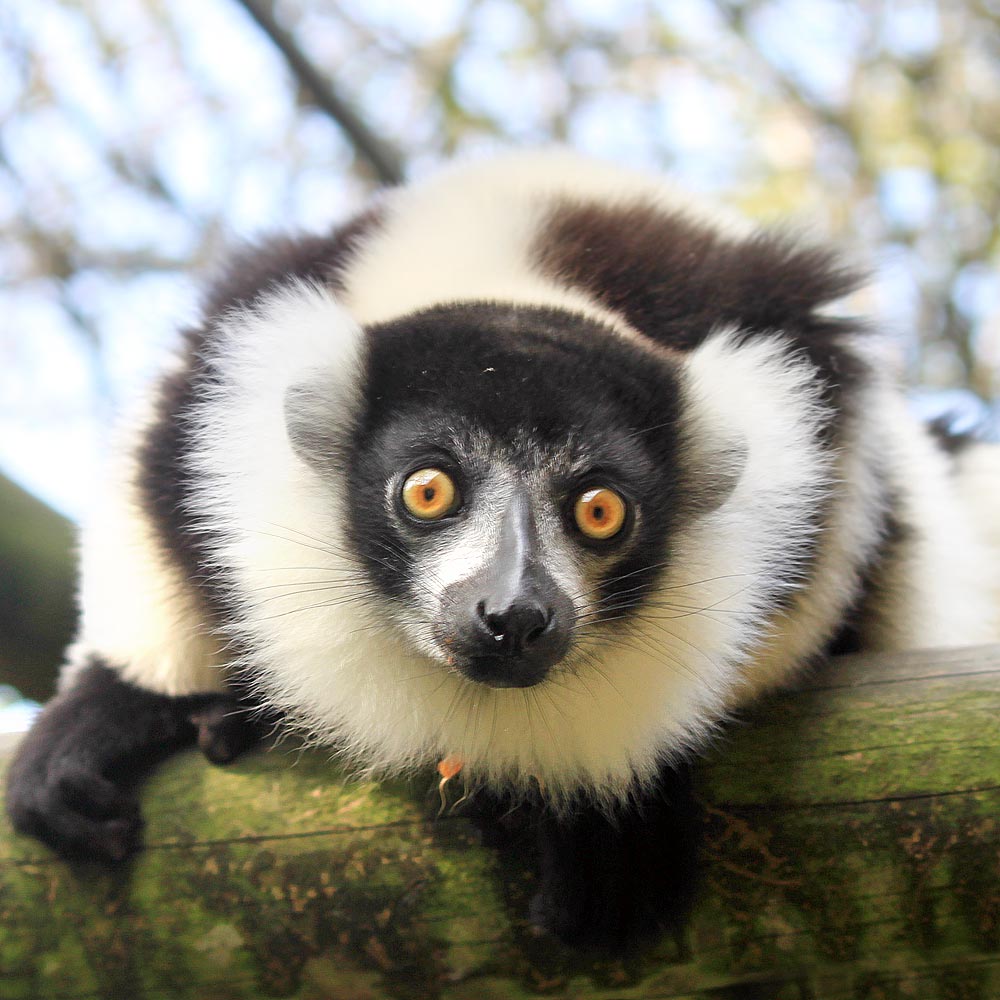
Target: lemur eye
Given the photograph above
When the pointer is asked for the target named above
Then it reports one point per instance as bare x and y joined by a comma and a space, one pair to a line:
430, 494
599, 513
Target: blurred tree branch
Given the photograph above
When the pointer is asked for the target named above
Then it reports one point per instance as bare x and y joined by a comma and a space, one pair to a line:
37, 609
384, 160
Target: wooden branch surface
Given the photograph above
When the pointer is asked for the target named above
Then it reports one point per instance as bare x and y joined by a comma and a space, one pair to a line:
852, 850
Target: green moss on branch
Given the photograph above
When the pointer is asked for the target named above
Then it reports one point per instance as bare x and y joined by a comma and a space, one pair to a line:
852, 849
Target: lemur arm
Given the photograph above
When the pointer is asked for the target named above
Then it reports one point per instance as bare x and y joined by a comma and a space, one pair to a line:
74, 780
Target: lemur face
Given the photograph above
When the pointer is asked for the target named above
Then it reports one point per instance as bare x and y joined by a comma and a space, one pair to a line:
498, 547
521, 501
512, 507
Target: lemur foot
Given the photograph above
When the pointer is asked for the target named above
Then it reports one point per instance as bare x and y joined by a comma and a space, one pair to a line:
78, 813
228, 728
74, 779
617, 882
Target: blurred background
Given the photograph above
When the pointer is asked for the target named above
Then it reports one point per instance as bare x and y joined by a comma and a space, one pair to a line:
139, 138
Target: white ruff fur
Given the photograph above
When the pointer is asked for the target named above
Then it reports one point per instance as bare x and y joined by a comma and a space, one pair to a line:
757, 390
329, 658
138, 613
325, 648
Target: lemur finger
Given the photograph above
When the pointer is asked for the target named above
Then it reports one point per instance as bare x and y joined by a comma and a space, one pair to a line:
226, 729
73, 834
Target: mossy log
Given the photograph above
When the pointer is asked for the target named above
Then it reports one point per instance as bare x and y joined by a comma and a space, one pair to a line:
37, 607
851, 850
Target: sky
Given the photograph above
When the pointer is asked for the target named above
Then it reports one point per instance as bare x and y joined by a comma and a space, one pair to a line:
56, 416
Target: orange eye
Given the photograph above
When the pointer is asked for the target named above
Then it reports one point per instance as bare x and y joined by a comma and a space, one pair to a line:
430, 494
599, 513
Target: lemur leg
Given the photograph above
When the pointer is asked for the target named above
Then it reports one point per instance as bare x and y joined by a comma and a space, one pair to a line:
607, 881
74, 780
620, 880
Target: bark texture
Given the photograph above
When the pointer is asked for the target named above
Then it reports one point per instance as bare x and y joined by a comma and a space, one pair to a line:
852, 850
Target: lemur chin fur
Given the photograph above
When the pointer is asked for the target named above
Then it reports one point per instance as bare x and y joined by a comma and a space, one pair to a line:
534, 466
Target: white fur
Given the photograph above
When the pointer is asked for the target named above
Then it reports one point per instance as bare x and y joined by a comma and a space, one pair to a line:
849, 537
467, 233
371, 689
750, 545
138, 613
363, 676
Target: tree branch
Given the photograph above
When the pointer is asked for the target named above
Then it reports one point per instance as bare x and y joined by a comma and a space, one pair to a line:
384, 160
849, 850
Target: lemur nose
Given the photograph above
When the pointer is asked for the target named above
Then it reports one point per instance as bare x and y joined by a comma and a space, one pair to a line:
518, 626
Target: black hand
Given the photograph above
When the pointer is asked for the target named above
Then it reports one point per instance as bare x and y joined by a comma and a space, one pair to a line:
227, 727
73, 781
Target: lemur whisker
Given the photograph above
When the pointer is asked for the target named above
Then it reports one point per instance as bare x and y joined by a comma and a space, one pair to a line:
651, 568
338, 602
536, 693
316, 587
325, 550
328, 543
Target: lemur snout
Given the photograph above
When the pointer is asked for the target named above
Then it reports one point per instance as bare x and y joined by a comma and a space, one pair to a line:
510, 621
517, 627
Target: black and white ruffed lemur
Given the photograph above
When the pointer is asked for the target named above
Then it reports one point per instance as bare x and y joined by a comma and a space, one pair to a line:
535, 467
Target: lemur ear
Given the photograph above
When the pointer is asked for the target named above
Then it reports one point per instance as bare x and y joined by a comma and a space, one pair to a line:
719, 463
318, 421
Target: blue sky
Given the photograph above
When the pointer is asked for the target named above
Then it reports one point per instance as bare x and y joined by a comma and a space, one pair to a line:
233, 176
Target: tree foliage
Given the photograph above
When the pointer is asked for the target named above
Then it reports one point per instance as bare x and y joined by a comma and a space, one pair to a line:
139, 137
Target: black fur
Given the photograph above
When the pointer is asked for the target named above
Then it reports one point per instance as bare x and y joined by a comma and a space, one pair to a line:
952, 442
607, 881
677, 280
73, 782
532, 379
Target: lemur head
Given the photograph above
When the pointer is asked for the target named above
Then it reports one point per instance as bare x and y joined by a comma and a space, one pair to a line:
506, 532
513, 479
